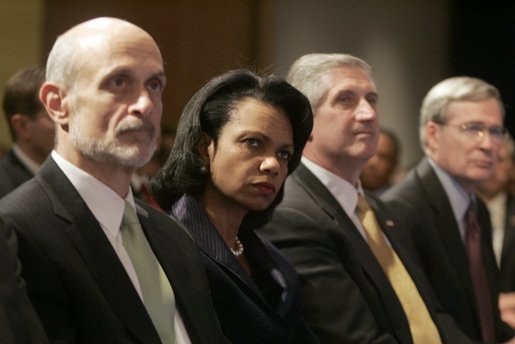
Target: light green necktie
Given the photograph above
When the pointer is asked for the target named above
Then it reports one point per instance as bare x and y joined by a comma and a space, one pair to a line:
157, 293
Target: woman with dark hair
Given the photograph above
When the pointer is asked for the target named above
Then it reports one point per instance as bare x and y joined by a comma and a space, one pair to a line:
237, 140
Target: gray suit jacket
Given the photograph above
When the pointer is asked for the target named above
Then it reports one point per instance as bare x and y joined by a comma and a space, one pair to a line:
75, 279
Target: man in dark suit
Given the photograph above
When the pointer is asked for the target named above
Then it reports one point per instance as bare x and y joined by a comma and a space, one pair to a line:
101, 267
461, 130
19, 322
31, 129
349, 294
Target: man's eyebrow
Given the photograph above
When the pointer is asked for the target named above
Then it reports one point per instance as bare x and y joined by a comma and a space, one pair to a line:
159, 75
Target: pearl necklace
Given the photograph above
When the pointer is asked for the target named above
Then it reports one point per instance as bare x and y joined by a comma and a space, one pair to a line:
239, 250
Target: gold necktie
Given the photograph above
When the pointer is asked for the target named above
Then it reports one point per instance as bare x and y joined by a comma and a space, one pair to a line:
422, 327
157, 293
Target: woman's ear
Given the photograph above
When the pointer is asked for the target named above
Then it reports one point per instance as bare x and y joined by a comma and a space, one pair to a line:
203, 146
53, 98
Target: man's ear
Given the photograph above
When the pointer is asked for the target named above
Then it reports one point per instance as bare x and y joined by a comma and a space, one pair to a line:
432, 135
19, 125
53, 98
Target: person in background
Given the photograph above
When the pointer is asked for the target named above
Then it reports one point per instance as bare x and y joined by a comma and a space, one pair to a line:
100, 266
140, 181
501, 206
359, 283
461, 132
238, 138
3, 151
32, 130
377, 175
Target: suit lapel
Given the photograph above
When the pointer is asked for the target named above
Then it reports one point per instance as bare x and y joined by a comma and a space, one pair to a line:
320, 194
89, 240
446, 225
212, 245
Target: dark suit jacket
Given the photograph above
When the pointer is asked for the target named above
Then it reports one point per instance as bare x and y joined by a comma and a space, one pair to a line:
346, 296
251, 310
75, 279
422, 203
12, 173
507, 278
19, 322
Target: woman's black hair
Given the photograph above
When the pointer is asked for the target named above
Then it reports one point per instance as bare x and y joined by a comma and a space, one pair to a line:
207, 112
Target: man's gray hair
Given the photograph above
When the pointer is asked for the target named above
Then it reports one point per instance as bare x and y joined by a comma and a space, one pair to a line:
435, 104
307, 73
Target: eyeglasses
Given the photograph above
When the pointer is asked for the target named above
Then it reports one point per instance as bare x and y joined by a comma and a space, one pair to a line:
477, 131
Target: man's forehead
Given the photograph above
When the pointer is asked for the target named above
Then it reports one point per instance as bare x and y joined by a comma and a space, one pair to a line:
344, 77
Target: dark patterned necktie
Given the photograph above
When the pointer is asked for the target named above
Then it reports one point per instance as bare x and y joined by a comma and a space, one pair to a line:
478, 274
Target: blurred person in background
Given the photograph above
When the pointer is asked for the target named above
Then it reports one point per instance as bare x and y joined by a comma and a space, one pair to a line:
501, 206
377, 175
32, 130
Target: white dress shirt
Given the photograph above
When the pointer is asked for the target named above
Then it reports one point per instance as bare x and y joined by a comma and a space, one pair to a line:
344, 192
497, 209
108, 207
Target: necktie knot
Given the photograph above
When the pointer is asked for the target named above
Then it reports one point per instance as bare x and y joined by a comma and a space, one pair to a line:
129, 215
362, 207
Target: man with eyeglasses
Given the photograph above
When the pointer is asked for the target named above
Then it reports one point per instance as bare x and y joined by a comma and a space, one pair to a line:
461, 131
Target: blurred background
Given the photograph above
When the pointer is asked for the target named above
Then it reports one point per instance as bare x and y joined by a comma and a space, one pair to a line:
411, 44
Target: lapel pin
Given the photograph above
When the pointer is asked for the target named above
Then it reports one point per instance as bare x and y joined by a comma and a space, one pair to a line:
389, 223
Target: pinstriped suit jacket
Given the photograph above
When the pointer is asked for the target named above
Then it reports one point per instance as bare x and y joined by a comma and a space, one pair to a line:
246, 315
75, 279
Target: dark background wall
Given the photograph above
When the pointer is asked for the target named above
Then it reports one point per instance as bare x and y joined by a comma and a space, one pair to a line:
483, 45
411, 44
198, 39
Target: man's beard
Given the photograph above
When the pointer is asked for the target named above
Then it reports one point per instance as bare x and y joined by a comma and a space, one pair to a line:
133, 155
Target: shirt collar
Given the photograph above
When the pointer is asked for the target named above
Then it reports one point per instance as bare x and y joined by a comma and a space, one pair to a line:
30, 164
458, 197
345, 193
105, 204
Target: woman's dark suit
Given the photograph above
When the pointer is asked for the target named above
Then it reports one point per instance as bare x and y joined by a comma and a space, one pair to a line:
262, 309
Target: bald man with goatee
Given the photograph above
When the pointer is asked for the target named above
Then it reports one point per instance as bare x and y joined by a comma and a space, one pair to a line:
100, 266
